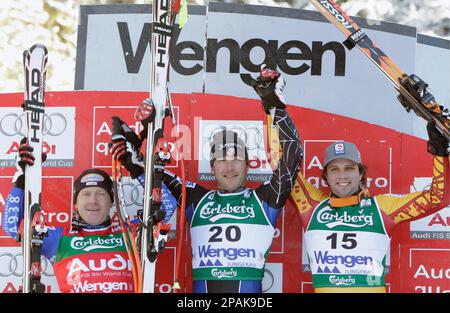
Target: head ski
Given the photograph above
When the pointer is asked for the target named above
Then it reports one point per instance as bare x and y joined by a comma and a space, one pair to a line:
35, 64
153, 233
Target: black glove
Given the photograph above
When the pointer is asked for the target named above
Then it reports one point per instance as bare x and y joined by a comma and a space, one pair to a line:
145, 113
269, 88
126, 147
438, 144
25, 157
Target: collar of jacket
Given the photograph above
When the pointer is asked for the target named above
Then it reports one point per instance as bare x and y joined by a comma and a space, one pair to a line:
337, 202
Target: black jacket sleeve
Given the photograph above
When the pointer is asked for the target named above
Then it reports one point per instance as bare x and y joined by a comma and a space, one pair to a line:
194, 192
276, 191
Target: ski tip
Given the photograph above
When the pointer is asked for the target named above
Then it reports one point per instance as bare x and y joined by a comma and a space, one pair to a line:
38, 46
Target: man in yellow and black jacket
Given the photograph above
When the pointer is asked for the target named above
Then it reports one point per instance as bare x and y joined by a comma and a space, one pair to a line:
347, 232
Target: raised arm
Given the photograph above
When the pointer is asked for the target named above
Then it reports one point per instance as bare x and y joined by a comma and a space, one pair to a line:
437, 196
126, 148
283, 137
14, 205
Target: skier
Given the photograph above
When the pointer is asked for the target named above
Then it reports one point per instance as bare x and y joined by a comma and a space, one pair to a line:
232, 227
90, 258
347, 232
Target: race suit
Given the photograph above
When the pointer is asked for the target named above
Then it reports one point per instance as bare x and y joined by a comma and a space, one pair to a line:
231, 233
90, 260
347, 238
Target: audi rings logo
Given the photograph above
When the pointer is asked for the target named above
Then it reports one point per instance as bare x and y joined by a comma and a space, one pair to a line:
12, 124
11, 265
268, 280
133, 194
252, 136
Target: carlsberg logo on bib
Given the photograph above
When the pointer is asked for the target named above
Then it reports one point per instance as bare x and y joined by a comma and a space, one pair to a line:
214, 212
92, 243
331, 218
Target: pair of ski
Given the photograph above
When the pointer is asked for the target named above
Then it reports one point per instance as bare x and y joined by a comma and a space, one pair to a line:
413, 90
152, 234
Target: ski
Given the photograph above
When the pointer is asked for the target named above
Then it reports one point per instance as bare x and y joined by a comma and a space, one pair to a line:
411, 87
153, 233
128, 229
35, 64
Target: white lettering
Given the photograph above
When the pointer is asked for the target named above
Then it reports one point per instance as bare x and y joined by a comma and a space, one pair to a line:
104, 128
315, 162
118, 263
433, 274
106, 287
60, 217
223, 273
77, 266
228, 211
164, 288
315, 181
2, 199
381, 182
102, 147
101, 267
332, 219
336, 14
89, 244
431, 289
341, 281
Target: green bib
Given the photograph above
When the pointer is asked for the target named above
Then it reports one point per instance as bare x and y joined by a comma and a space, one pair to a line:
347, 246
231, 237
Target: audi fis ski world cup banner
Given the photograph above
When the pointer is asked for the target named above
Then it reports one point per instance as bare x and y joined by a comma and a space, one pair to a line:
59, 132
387, 155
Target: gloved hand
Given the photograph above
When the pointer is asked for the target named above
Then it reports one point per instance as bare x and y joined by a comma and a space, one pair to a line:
269, 88
145, 113
126, 147
437, 143
25, 157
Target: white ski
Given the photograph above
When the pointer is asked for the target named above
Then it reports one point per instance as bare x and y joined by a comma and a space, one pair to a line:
35, 64
163, 18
